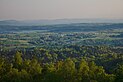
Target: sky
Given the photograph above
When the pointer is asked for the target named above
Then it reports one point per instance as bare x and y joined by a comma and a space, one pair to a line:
60, 9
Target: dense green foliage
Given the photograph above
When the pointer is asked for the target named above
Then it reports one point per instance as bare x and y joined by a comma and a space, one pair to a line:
68, 64
62, 71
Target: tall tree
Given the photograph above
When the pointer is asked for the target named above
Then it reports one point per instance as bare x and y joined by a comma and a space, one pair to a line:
18, 60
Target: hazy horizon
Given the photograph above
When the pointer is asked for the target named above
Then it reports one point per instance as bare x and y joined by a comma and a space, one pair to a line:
60, 9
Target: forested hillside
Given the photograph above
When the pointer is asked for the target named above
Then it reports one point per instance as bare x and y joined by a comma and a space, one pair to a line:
84, 52
67, 64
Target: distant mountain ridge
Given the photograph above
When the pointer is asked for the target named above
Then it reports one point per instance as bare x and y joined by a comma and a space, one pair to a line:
57, 21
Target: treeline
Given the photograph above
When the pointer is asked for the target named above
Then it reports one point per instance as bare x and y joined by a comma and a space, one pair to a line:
105, 56
67, 64
30, 70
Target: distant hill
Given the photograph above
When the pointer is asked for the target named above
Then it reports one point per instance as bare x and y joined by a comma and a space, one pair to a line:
57, 21
73, 27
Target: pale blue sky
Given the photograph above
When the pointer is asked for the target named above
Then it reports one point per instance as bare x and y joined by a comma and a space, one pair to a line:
60, 9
